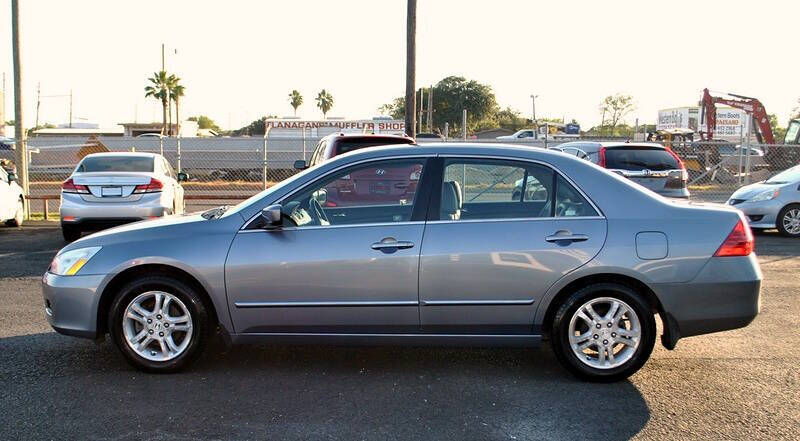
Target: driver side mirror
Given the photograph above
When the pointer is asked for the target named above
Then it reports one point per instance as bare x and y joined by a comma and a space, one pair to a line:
272, 216
300, 164
183, 177
11, 177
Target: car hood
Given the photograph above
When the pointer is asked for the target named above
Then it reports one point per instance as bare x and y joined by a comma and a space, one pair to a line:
165, 228
748, 191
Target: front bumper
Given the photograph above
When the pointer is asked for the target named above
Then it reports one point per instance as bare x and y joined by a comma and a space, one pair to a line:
76, 211
761, 214
71, 303
725, 295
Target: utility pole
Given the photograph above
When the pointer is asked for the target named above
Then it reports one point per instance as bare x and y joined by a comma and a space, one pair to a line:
70, 108
38, 102
411, 53
533, 100
19, 120
430, 110
3, 108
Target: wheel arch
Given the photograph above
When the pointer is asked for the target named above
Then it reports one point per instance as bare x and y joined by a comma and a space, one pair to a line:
668, 339
115, 284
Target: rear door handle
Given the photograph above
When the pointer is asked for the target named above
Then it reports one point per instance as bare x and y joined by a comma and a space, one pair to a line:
392, 243
565, 236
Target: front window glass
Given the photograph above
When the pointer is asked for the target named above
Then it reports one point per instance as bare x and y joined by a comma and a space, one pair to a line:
116, 164
786, 176
791, 133
377, 192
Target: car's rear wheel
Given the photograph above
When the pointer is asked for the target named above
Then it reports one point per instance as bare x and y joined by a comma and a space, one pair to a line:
159, 324
788, 222
603, 332
70, 233
19, 215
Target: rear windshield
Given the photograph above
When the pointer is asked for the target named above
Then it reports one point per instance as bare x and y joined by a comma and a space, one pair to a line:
348, 145
640, 158
116, 164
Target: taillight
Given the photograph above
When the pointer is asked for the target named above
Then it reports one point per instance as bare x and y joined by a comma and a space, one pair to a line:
738, 243
69, 187
601, 157
677, 158
154, 186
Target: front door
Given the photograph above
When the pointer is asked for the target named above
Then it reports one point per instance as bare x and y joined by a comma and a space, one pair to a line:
500, 234
345, 261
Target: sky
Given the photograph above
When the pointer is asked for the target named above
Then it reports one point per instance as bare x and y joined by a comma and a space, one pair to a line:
239, 60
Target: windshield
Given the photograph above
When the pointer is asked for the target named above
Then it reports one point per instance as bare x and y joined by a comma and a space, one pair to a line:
790, 175
258, 196
639, 158
116, 164
791, 133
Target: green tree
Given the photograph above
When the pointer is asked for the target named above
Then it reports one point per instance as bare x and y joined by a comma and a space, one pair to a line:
176, 92
295, 100
159, 89
396, 109
614, 108
777, 131
204, 122
255, 128
324, 102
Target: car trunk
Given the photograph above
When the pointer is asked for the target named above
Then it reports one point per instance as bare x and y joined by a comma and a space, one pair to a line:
111, 186
651, 167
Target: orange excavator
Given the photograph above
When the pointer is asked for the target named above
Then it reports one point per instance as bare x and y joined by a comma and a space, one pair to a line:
778, 158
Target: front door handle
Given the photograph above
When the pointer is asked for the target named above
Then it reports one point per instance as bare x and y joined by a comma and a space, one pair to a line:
392, 243
566, 236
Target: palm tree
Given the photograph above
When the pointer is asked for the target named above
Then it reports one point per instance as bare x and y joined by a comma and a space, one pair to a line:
296, 100
175, 93
159, 89
324, 102
172, 80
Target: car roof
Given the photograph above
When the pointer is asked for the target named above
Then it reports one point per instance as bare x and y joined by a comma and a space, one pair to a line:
615, 144
129, 154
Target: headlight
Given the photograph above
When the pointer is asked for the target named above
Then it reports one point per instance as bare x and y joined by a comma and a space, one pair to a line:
767, 195
69, 263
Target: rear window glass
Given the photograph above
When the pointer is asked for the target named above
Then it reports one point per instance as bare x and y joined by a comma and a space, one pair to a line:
116, 164
346, 145
640, 158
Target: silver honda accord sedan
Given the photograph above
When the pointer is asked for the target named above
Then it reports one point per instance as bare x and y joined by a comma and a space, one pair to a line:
419, 245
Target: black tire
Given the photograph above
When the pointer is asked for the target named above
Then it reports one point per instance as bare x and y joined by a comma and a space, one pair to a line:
559, 332
70, 233
779, 220
202, 326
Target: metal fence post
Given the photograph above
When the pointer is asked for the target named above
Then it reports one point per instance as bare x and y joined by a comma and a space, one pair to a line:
546, 132
264, 171
741, 154
179, 152
747, 153
161, 144
304, 143
464, 125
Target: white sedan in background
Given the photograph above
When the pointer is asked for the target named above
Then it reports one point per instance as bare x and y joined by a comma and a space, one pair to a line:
109, 189
12, 202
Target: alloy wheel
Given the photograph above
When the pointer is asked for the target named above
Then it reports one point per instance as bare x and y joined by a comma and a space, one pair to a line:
604, 333
157, 326
791, 221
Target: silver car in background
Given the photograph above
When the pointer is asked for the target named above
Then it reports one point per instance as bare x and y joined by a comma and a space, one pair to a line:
648, 164
774, 203
108, 189
585, 262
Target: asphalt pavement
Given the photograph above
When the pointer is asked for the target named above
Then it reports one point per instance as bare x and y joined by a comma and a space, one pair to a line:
742, 384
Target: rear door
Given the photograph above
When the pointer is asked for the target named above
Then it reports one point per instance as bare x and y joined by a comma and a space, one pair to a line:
491, 251
655, 168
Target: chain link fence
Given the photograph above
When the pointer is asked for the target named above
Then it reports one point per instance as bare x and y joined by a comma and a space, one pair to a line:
225, 170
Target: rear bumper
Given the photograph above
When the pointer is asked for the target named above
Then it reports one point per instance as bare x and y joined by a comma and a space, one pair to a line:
76, 211
725, 295
71, 303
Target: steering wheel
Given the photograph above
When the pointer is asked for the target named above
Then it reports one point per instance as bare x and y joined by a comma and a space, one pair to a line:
318, 212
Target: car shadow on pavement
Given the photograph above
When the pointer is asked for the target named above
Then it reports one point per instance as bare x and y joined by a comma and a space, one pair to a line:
63, 385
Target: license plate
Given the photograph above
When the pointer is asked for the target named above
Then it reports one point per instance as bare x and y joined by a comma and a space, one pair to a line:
111, 191
379, 188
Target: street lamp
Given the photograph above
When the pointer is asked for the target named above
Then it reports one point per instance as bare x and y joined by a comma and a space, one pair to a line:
533, 100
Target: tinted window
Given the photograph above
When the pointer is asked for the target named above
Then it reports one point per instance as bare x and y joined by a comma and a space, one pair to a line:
639, 158
792, 132
348, 145
495, 190
116, 164
377, 192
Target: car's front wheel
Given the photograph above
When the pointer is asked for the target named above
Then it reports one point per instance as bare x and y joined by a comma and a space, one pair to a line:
789, 221
603, 332
159, 324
